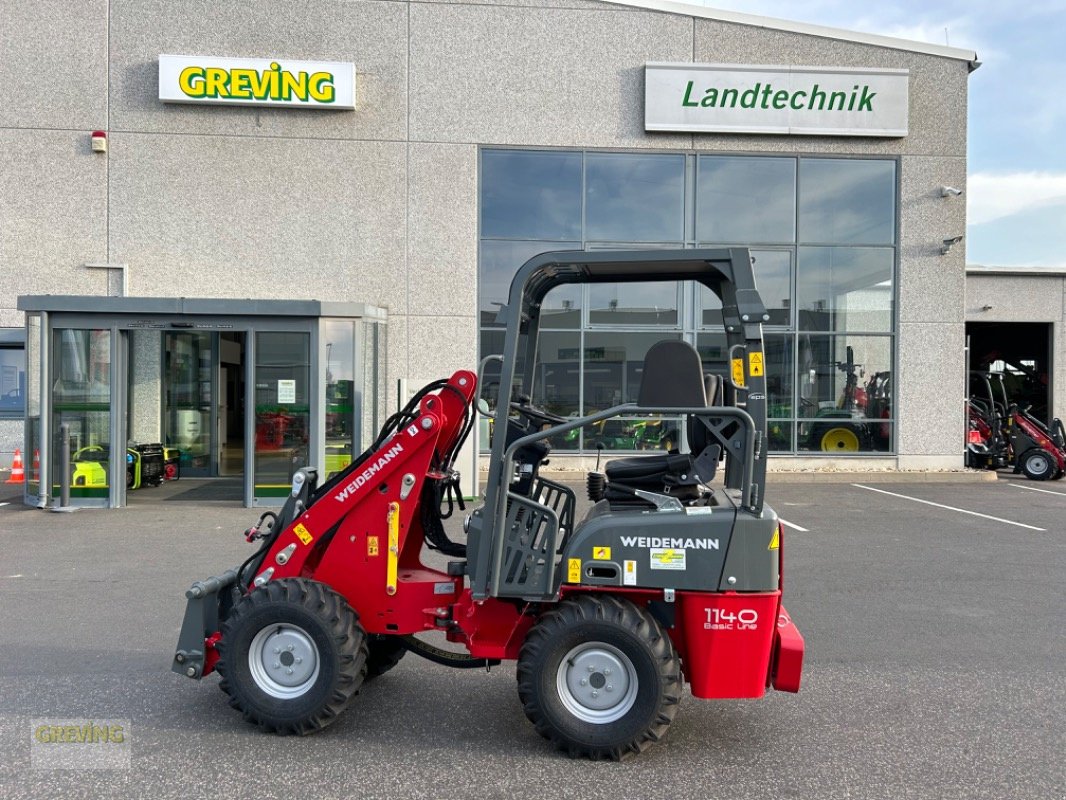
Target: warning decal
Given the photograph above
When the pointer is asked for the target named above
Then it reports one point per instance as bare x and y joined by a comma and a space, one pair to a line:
573, 570
629, 575
372, 546
601, 553
663, 558
775, 543
738, 371
303, 534
755, 364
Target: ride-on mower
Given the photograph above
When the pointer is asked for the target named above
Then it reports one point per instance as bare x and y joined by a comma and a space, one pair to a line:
670, 577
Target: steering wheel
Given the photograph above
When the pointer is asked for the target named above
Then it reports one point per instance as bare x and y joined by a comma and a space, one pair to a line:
537, 415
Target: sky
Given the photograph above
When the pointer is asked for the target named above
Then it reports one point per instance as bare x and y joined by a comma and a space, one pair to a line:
1016, 185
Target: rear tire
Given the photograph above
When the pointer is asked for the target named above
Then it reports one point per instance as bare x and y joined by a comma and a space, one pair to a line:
599, 678
292, 656
384, 653
1038, 465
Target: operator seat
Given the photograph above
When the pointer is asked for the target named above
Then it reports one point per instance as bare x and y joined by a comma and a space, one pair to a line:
673, 376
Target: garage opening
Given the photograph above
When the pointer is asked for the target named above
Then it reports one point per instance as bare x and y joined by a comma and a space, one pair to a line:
1022, 352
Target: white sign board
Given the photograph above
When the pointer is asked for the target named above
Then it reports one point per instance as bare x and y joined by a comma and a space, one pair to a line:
256, 82
808, 101
286, 391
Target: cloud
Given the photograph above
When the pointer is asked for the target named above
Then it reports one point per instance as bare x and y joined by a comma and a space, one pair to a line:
993, 196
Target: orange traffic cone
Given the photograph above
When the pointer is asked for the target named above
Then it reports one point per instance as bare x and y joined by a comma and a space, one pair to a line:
36, 465
18, 472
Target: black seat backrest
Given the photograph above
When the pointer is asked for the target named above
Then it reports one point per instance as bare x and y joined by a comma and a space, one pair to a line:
673, 376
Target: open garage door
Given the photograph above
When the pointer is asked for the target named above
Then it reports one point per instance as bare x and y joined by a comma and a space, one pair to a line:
1022, 351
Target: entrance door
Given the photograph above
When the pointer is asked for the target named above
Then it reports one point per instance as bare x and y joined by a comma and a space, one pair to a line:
203, 401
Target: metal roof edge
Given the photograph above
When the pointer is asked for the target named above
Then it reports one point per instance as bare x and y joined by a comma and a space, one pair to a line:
198, 306
772, 23
1038, 272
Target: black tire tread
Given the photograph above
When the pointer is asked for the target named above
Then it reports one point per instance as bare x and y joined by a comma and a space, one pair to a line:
384, 653
628, 616
342, 623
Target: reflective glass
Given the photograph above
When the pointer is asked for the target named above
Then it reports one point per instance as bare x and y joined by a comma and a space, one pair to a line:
530, 194
845, 288
282, 409
746, 199
557, 382
500, 260
614, 365
773, 278
339, 337
845, 393
634, 198
847, 201
633, 304
81, 398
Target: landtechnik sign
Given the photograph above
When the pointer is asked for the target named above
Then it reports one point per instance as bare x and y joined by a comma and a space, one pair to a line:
256, 82
818, 101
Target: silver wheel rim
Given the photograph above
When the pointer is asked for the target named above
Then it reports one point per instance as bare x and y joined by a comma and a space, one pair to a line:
283, 660
1038, 464
597, 683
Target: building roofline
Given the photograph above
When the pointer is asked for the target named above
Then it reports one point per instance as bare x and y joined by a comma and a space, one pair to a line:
196, 306
1039, 272
771, 23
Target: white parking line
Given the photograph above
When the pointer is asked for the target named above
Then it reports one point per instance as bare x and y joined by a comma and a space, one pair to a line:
5, 504
792, 525
949, 508
1034, 489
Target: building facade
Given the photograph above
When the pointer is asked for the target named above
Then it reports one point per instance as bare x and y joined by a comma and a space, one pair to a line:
481, 134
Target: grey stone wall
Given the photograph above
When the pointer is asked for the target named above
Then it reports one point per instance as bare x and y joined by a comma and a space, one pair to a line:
380, 205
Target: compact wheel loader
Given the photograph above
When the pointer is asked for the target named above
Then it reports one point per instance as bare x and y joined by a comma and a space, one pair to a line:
671, 577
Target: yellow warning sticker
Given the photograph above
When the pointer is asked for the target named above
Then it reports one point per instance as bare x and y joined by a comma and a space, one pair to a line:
373, 547
775, 543
629, 574
573, 570
755, 364
601, 553
303, 534
738, 371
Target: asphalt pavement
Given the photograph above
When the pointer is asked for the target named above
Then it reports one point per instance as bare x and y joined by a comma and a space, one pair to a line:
935, 666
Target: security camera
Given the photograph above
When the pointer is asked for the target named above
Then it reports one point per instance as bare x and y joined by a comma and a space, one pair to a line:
949, 191
948, 244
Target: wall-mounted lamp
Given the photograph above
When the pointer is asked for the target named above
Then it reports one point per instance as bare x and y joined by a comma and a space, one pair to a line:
949, 191
948, 244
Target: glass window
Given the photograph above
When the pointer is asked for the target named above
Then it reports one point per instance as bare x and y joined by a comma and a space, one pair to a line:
12, 379
557, 382
847, 201
845, 392
633, 304
339, 336
745, 199
530, 194
634, 198
773, 277
81, 398
500, 260
614, 366
845, 288
282, 409
188, 367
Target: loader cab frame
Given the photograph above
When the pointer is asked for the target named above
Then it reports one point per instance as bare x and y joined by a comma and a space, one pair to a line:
727, 273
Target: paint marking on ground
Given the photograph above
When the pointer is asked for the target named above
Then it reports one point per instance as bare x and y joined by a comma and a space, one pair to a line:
5, 504
949, 508
1034, 489
792, 525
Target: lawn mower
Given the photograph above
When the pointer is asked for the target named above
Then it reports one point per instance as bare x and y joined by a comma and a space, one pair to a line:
671, 577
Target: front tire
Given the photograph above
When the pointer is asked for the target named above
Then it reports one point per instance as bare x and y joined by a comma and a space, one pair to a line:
292, 656
599, 678
1038, 465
